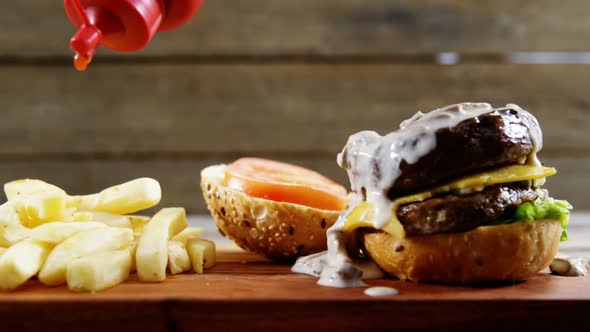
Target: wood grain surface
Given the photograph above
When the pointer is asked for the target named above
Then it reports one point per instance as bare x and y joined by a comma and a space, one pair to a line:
249, 293
330, 27
260, 108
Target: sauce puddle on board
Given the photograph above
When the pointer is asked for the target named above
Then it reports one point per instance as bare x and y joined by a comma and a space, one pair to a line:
381, 291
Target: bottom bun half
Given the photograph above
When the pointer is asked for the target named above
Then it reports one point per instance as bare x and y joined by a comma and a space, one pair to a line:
488, 253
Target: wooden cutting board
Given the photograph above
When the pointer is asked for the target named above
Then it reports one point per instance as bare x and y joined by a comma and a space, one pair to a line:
247, 293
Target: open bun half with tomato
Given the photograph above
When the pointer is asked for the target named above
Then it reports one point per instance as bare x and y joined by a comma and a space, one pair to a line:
272, 208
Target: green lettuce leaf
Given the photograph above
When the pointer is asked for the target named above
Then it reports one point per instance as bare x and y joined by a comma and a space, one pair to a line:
545, 208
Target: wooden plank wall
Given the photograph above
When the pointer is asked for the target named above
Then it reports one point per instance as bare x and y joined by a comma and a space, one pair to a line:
289, 80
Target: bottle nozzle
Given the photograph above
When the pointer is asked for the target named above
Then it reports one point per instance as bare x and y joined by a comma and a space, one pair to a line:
86, 40
84, 43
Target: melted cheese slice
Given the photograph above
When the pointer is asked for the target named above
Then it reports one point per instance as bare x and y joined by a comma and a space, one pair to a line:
362, 215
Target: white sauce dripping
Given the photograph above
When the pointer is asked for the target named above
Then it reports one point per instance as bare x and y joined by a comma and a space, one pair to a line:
367, 151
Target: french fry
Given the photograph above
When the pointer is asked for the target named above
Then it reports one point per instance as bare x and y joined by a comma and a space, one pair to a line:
20, 262
12, 233
188, 233
9, 214
152, 250
68, 214
81, 216
138, 223
35, 209
2, 251
98, 271
133, 250
57, 232
44, 207
85, 243
125, 198
109, 219
178, 260
201, 253
26, 187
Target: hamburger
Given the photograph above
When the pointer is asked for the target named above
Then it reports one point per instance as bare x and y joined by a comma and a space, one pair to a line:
454, 196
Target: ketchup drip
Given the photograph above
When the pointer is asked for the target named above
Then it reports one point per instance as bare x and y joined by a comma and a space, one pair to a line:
81, 62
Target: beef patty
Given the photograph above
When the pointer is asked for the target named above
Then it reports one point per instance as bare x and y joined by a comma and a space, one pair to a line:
492, 139
458, 213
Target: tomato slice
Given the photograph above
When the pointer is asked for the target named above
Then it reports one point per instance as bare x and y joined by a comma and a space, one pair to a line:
282, 182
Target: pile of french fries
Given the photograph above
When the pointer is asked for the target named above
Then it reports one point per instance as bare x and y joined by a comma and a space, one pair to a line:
92, 242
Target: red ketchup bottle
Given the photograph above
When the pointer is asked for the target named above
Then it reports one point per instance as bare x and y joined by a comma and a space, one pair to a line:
122, 25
